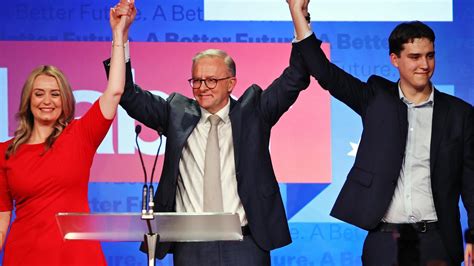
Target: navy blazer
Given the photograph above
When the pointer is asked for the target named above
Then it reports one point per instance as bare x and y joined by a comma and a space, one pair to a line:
252, 117
369, 188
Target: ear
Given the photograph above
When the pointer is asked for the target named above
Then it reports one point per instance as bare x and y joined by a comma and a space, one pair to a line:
394, 59
231, 84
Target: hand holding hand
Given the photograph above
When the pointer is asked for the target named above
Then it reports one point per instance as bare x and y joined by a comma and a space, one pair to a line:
121, 17
299, 6
300, 17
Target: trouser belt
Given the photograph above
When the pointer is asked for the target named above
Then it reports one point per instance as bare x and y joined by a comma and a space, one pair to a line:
420, 227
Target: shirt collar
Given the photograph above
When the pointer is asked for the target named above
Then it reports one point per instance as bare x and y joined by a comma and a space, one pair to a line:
430, 99
222, 113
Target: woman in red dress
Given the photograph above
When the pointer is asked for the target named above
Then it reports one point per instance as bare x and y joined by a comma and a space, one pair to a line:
44, 168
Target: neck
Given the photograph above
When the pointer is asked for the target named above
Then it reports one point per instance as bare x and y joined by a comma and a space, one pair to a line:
416, 96
40, 133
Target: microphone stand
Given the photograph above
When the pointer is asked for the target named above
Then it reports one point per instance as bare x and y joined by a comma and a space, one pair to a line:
151, 239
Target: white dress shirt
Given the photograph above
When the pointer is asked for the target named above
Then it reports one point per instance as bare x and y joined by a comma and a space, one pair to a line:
413, 199
189, 195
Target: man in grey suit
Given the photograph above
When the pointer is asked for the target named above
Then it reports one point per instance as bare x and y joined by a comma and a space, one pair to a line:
248, 185
416, 154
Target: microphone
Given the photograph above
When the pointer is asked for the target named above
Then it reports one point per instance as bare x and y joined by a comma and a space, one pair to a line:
148, 191
138, 129
151, 203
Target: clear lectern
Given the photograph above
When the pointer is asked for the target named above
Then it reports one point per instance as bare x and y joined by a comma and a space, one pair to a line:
164, 227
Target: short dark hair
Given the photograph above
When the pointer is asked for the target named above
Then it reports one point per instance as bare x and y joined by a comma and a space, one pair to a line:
406, 32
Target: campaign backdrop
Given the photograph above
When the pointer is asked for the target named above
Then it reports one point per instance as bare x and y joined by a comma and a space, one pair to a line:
313, 145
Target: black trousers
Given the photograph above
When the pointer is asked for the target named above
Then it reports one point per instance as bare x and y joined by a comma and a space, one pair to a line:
405, 249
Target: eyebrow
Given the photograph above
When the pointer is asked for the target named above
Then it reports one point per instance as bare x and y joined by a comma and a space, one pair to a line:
210, 77
419, 54
41, 89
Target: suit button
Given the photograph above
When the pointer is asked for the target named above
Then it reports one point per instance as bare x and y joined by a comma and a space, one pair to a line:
394, 182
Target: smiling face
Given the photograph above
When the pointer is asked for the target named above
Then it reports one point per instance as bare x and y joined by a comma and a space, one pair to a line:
415, 64
212, 67
45, 101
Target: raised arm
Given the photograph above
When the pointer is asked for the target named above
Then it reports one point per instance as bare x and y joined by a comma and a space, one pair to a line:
283, 91
299, 12
121, 17
342, 85
140, 104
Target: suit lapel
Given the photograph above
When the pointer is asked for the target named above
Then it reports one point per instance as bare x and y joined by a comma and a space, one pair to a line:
235, 116
440, 113
402, 113
191, 117
402, 121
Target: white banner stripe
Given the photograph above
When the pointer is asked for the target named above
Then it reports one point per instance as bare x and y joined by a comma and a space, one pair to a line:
331, 10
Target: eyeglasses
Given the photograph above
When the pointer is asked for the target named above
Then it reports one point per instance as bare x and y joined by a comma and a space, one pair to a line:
211, 83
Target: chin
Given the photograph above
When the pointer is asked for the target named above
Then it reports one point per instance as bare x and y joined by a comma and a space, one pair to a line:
47, 120
204, 104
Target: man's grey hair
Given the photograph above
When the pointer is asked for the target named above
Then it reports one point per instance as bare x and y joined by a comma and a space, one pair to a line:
229, 62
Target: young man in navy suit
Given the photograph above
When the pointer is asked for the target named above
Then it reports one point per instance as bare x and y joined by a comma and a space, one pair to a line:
416, 154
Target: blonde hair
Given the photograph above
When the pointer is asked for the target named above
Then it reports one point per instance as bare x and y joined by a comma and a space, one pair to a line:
25, 116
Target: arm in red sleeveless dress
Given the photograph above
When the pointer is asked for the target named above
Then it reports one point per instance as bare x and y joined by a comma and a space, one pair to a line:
95, 124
